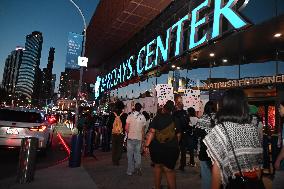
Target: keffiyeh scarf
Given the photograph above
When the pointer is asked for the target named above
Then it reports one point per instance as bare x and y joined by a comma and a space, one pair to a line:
246, 144
204, 122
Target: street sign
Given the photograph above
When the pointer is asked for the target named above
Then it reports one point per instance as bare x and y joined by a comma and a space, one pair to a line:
82, 61
74, 49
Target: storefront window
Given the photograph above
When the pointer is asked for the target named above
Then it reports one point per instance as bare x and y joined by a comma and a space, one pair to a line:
258, 11
258, 69
280, 7
281, 67
195, 77
227, 72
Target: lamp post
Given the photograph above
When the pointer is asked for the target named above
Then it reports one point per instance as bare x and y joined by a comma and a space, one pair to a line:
81, 67
77, 140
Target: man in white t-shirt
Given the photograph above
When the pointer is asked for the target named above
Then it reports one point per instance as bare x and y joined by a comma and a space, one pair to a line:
135, 129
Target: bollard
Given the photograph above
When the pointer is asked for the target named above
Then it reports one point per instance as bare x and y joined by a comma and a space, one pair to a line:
76, 150
27, 160
89, 142
105, 140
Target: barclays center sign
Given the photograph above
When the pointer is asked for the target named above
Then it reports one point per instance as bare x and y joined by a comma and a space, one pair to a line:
159, 49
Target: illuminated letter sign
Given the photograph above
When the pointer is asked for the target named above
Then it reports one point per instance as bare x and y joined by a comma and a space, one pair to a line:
119, 75
163, 49
139, 64
195, 24
130, 67
156, 50
229, 13
179, 30
124, 66
114, 73
150, 53
97, 87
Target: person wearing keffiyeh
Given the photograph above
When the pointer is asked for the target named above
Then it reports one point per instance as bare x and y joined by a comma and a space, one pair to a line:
203, 126
234, 117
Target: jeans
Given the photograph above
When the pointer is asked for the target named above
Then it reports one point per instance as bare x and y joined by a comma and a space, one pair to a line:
133, 155
205, 174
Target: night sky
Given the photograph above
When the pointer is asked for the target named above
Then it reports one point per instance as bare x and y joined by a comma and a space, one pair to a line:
54, 18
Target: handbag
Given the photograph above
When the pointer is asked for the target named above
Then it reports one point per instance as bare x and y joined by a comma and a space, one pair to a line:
167, 134
242, 182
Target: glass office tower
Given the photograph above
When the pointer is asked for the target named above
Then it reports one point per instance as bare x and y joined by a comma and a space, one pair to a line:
30, 64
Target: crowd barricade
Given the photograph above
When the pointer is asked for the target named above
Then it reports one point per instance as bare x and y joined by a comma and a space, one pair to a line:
102, 138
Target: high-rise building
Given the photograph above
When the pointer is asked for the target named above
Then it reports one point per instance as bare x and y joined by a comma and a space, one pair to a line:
30, 65
53, 84
37, 89
47, 91
68, 87
11, 70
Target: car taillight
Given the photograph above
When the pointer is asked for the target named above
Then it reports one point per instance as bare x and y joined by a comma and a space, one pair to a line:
40, 128
51, 120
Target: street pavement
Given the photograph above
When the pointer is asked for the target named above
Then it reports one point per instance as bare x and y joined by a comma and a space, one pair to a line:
99, 173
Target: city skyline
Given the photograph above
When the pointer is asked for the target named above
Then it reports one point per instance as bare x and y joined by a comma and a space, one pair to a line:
53, 18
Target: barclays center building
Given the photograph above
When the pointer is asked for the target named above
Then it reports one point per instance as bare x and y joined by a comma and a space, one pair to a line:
210, 45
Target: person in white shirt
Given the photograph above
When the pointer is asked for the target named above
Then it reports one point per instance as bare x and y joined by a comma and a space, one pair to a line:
135, 129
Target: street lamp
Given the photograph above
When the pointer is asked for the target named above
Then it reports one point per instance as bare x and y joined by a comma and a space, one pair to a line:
77, 140
81, 67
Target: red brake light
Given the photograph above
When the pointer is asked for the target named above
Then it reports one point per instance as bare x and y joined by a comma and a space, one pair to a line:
40, 128
52, 120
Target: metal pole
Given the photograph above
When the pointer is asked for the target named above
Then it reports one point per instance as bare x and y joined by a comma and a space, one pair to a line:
81, 68
77, 140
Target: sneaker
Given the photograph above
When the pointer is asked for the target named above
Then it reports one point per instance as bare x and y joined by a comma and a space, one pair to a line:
129, 174
193, 165
138, 172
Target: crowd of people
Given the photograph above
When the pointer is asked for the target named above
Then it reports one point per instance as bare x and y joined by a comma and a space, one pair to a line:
227, 142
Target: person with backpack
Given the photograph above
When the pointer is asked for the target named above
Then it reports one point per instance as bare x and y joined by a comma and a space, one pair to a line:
135, 129
163, 145
116, 123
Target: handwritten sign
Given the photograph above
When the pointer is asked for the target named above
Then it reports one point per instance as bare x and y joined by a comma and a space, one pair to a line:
164, 93
191, 98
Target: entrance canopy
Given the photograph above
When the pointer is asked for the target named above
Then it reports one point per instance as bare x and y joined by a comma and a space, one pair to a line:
115, 22
254, 44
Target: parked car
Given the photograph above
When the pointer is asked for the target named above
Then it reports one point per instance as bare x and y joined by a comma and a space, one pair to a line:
16, 124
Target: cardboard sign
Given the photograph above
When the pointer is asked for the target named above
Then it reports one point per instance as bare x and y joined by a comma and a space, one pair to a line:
191, 98
164, 93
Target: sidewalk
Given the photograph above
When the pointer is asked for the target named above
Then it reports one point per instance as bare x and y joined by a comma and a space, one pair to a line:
60, 177
101, 174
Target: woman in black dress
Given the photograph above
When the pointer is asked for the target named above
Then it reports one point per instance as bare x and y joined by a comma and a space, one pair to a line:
164, 153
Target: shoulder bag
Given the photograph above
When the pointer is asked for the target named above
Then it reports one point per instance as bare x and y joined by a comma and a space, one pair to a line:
167, 134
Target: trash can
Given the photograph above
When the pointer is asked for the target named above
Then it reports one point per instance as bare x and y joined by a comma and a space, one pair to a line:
76, 150
27, 160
